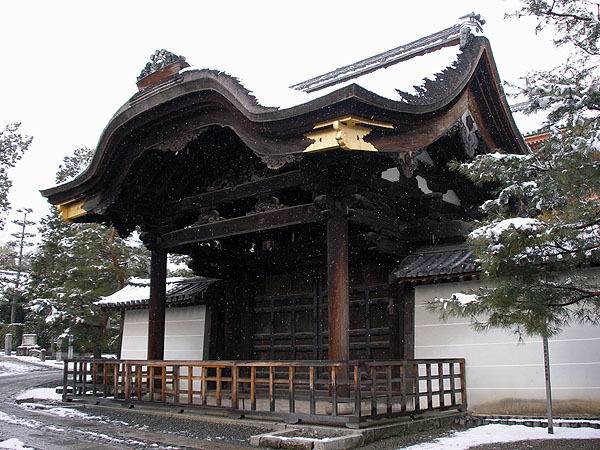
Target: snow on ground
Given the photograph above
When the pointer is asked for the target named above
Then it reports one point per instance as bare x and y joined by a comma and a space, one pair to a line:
51, 363
8, 368
14, 420
67, 412
556, 422
11, 365
40, 394
50, 395
34, 424
13, 444
491, 434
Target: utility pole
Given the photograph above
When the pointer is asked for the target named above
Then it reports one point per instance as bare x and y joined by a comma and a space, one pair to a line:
21, 236
548, 385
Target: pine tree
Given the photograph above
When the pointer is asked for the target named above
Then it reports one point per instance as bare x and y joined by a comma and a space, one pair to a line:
8, 265
543, 222
21, 243
75, 265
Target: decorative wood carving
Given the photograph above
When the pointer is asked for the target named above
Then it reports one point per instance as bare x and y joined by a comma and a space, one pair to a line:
209, 216
252, 189
408, 164
468, 134
276, 162
176, 144
267, 204
158, 61
358, 201
233, 175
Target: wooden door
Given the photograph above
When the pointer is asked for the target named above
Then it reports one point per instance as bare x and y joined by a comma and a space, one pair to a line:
290, 319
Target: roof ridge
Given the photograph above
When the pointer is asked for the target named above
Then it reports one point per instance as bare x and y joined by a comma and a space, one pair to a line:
449, 36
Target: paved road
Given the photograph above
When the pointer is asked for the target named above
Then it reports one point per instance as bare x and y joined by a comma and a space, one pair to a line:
42, 430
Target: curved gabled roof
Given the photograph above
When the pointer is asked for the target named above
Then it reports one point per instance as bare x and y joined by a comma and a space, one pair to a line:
170, 113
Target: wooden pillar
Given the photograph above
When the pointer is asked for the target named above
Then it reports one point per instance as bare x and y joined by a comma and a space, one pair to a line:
408, 321
122, 327
237, 318
402, 320
156, 306
338, 296
395, 326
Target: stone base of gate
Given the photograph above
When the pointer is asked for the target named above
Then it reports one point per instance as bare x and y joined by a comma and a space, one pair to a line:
334, 438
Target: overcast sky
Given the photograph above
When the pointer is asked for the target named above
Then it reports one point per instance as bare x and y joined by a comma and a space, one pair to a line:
67, 66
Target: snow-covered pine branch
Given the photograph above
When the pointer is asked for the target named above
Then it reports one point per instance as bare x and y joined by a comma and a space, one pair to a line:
542, 220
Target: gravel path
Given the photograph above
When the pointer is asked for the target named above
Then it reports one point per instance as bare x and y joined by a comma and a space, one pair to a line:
235, 432
217, 430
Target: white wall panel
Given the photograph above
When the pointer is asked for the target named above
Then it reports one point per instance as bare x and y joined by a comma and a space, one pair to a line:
498, 366
185, 330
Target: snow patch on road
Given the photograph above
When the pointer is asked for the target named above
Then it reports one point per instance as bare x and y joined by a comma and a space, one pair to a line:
11, 365
8, 368
92, 435
40, 394
27, 423
14, 444
50, 363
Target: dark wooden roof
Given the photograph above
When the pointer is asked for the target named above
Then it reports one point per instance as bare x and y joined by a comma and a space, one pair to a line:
197, 143
437, 264
180, 291
189, 101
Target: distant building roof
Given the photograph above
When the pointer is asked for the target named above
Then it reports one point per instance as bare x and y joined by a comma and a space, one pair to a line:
137, 293
437, 264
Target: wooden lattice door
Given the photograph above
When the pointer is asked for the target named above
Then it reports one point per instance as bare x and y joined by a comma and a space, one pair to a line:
290, 319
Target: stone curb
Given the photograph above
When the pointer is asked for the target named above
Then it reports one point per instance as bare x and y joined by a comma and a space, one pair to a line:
536, 422
287, 439
336, 438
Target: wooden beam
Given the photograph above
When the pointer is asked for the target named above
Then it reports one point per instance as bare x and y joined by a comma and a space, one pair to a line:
375, 220
437, 231
156, 305
293, 215
260, 187
216, 263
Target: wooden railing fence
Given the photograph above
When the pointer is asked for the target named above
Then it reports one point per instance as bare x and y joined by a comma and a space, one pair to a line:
310, 391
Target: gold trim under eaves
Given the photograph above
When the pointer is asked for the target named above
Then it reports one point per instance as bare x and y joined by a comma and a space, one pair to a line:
347, 133
69, 211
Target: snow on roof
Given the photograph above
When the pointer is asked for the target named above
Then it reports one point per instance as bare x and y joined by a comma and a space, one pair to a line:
381, 74
433, 42
137, 291
385, 81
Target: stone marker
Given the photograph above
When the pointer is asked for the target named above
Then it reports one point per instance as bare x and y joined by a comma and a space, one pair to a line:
7, 344
29, 339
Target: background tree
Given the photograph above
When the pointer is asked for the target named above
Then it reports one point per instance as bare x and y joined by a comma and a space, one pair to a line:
12, 146
543, 224
8, 264
21, 243
75, 265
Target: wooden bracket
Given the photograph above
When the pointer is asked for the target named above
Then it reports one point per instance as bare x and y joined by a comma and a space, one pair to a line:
347, 133
71, 210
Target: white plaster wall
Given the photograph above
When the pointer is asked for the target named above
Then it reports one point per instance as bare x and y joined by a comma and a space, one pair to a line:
185, 333
498, 367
